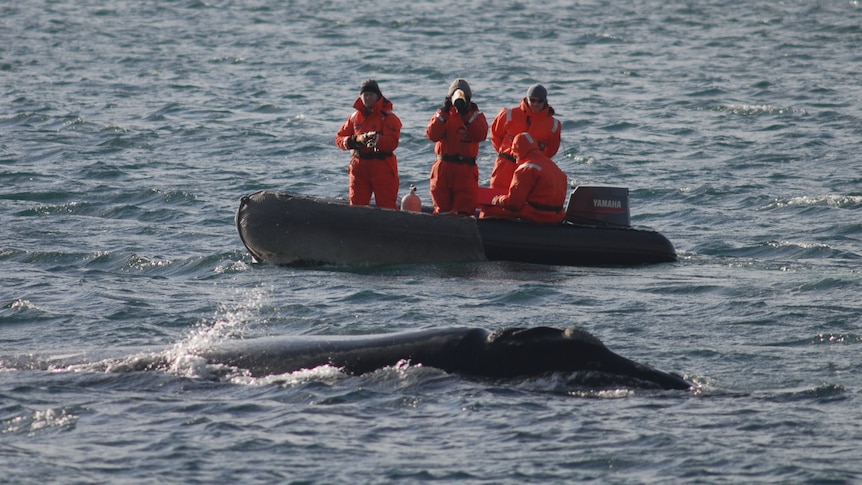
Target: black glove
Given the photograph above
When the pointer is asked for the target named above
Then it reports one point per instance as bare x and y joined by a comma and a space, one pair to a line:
352, 144
447, 104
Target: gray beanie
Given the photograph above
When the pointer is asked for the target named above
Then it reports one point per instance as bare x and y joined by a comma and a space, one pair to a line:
538, 91
463, 86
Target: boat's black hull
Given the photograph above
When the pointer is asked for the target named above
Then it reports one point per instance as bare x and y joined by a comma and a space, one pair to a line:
572, 245
279, 228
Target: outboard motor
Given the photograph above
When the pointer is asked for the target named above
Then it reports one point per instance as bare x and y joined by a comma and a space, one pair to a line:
600, 206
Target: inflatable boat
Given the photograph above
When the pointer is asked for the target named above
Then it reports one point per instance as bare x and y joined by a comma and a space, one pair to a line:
286, 229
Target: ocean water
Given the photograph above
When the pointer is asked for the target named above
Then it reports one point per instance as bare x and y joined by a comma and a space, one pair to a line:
129, 131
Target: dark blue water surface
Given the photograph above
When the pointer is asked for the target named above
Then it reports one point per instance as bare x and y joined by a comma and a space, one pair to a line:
129, 131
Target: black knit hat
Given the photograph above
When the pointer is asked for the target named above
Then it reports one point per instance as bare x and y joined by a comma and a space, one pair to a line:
370, 86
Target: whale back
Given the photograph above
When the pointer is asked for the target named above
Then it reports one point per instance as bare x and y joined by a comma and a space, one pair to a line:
505, 353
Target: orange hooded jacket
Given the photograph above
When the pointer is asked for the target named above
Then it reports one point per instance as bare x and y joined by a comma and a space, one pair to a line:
455, 175
372, 169
538, 189
544, 128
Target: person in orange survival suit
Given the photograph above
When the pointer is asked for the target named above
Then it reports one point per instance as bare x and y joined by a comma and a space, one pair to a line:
372, 133
534, 116
538, 189
457, 130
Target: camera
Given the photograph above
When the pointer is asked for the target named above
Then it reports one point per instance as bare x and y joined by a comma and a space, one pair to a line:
459, 101
370, 139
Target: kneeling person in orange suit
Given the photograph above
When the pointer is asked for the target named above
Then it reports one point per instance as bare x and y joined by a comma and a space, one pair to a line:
538, 189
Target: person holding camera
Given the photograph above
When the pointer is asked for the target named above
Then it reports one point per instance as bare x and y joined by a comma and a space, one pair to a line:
457, 130
534, 116
371, 134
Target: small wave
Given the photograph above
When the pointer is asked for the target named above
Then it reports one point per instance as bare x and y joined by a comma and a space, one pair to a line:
525, 295
600, 38
119, 143
820, 394
716, 92
143, 264
66, 208
831, 338
175, 362
820, 339
618, 127
780, 250
232, 266
603, 394
22, 119
756, 109
196, 267
181, 361
201, 267
838, 201
31, 423
227, 60
21, 305
24, 311
290, 379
